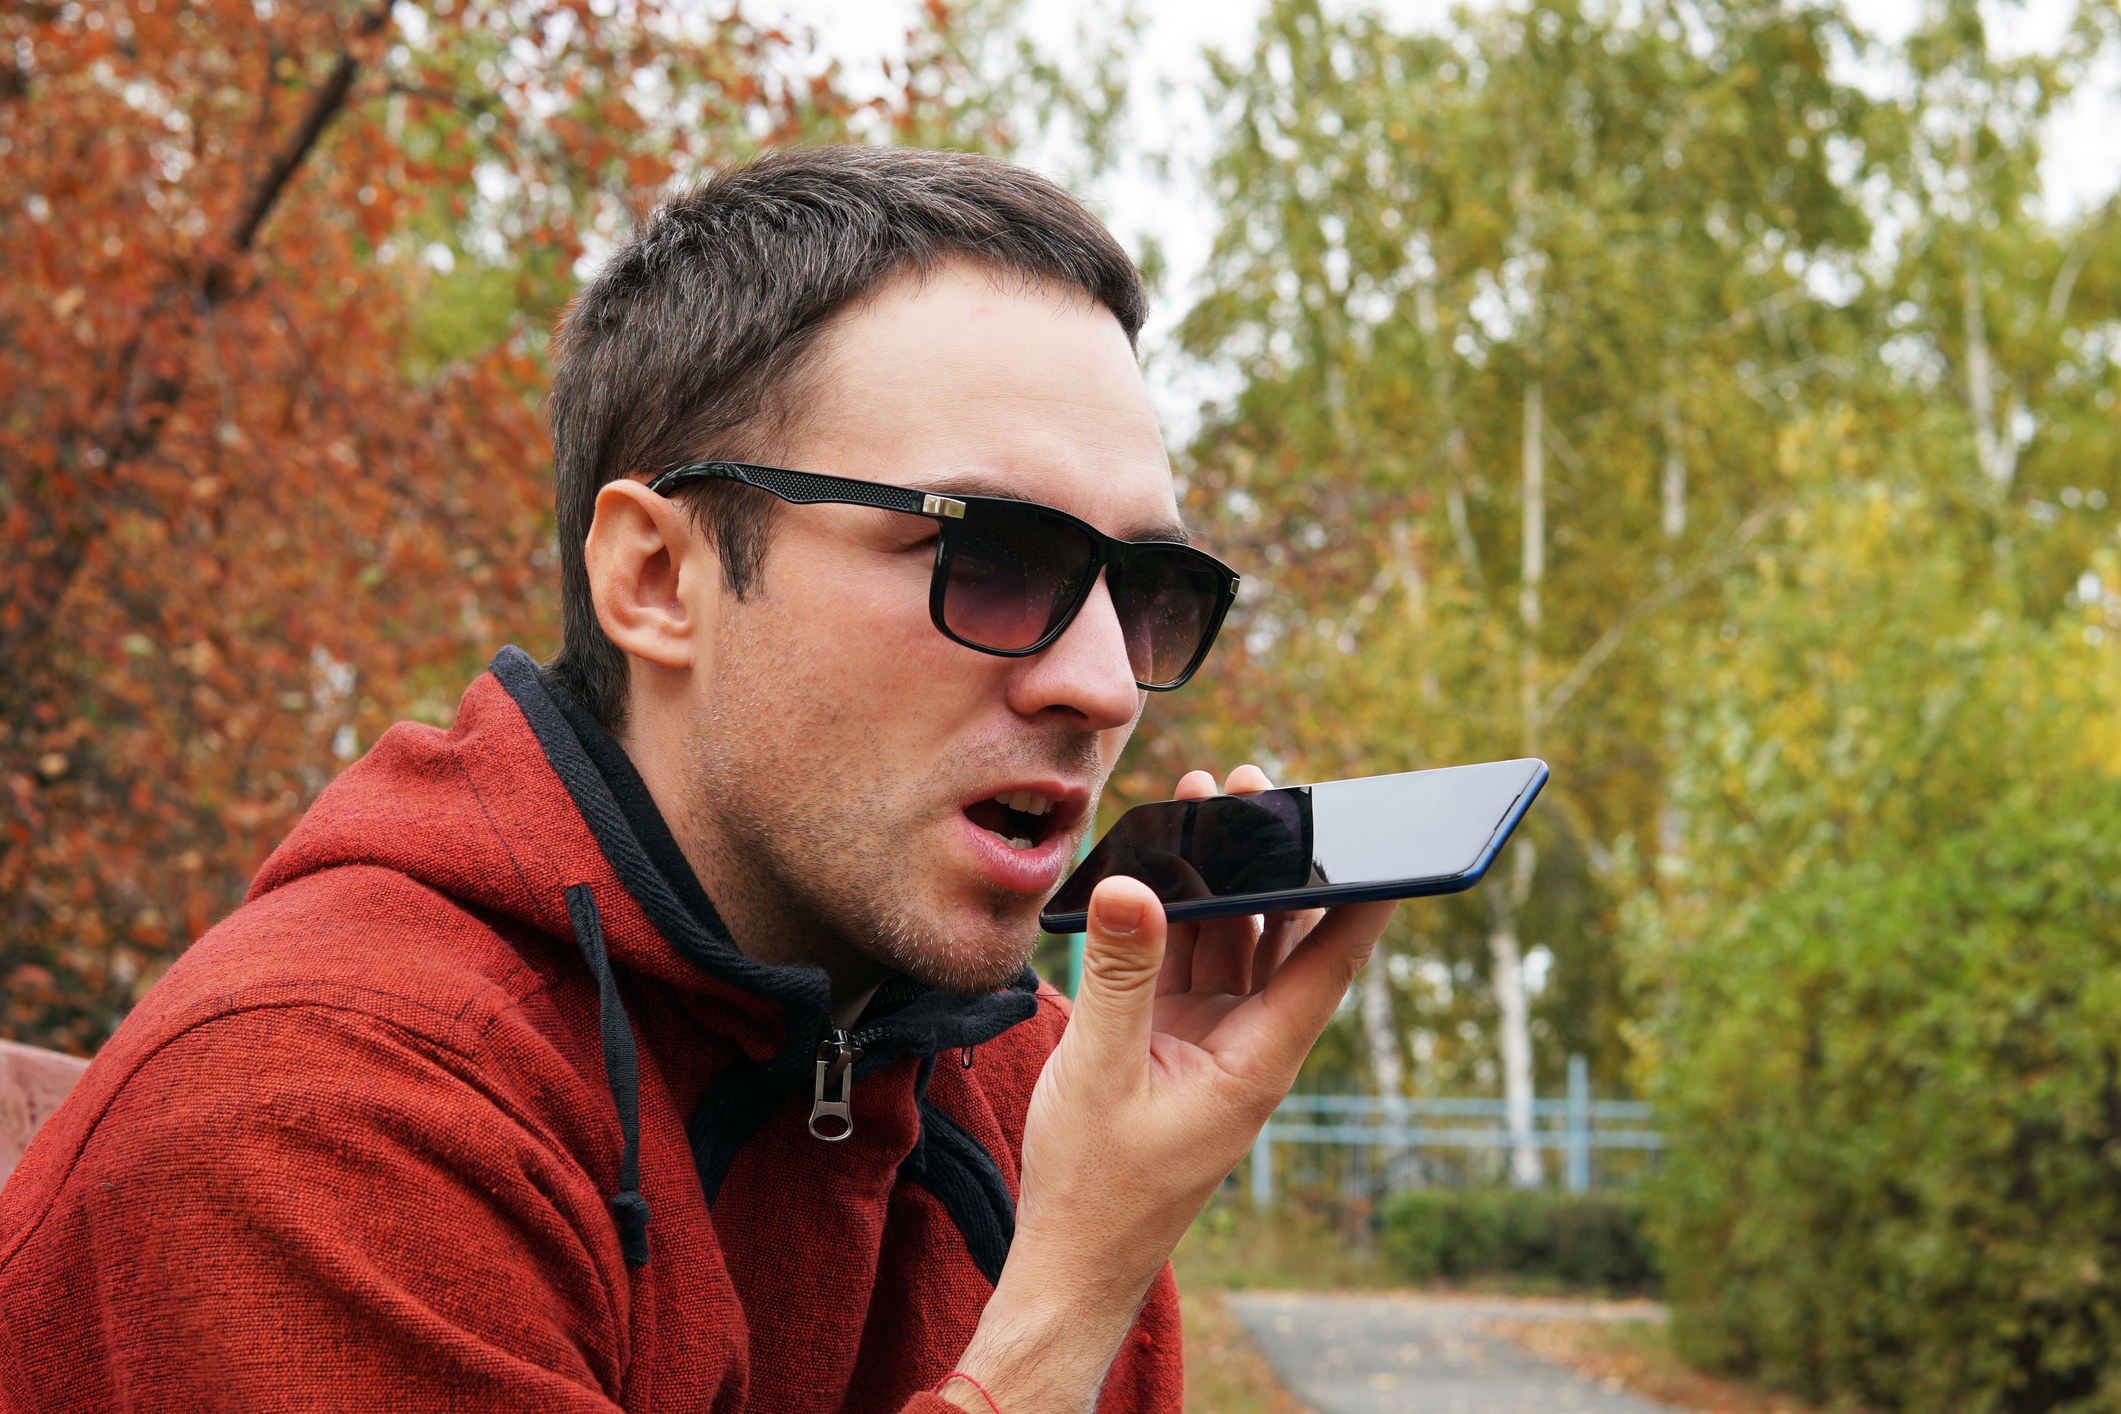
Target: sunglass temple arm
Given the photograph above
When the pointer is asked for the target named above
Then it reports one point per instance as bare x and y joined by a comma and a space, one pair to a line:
811, 488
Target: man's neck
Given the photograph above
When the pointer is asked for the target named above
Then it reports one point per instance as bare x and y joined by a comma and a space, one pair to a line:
763, 921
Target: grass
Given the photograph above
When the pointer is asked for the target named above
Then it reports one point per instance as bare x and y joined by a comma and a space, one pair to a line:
1308, 1248
1230, 1248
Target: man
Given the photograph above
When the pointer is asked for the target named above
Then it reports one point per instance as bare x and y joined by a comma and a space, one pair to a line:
661, 1037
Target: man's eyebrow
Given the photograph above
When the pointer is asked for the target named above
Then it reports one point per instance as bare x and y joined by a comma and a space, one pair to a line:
1169, 532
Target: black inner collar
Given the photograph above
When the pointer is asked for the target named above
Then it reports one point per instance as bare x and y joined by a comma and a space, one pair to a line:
637, 805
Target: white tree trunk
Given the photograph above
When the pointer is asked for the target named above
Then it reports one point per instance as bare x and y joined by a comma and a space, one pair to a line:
1534, 571
1455, 455
1671, 823
1535, 530
1671, 819
1504, 905
1379, 1030
1995, 446
1674, 467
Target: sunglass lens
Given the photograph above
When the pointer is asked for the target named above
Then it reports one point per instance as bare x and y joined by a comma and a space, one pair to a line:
1014, 572
1166, 600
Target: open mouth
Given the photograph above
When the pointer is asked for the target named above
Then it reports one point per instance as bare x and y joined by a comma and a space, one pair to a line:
1023, 819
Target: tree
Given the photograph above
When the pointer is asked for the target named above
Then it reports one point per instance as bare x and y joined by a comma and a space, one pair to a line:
1878, 1000
1873, 999
278, 286
1493, 291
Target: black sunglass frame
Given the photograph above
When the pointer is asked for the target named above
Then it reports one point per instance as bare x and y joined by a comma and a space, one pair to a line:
809, 488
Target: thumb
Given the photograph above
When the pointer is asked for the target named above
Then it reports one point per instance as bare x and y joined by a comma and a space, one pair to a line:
1123, 954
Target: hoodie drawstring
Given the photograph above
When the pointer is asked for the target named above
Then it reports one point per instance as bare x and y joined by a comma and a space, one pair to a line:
629, 1210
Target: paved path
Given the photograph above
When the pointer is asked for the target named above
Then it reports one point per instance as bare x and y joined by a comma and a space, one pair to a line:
1394, 1354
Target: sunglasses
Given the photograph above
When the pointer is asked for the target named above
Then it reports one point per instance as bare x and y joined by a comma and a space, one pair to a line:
1010, 576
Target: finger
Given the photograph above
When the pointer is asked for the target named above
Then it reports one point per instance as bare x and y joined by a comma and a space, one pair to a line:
1247, 780
1277, 939
1302, 994
1222, 958
1180, 940
1123, 953
1273, 945
1194, 785
1268, 1037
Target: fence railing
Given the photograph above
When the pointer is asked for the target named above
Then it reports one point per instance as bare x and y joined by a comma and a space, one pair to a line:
1575, 1126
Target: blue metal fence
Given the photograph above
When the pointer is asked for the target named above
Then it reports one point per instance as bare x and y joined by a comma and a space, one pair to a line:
1575, 1126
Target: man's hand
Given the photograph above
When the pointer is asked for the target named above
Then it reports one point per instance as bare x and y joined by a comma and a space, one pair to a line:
1184, 1039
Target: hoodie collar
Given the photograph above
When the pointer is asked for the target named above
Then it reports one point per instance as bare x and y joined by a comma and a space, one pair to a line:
905, 1017
630, 793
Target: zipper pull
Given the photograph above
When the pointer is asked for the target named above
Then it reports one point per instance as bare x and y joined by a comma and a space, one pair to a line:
836, 1055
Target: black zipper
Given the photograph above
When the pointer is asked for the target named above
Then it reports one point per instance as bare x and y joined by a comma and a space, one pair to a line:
836, 1055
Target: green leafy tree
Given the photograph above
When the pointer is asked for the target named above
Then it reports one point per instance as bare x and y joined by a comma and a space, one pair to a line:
1518, 307
1880, 995
1875, 982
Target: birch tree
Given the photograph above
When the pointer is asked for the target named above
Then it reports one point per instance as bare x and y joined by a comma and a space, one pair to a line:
1488, 289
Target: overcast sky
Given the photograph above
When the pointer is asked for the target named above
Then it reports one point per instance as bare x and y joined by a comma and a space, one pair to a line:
2083, 164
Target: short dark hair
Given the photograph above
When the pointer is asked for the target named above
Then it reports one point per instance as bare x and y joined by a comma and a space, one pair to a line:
692, 342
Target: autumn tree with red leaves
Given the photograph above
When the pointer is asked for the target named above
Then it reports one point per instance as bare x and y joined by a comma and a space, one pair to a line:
273, 463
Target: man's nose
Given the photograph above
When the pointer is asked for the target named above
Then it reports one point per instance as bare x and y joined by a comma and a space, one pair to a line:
1085, 671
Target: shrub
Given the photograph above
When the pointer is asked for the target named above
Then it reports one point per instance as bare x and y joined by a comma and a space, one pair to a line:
1893, 1089
1591, 1240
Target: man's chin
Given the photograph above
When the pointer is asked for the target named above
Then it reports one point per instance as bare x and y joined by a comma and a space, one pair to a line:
967, 979
963, 962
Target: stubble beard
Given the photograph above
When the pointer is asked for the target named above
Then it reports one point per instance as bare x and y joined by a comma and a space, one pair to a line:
814, 832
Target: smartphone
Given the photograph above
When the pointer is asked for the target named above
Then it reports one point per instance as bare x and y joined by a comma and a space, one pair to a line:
1376, 837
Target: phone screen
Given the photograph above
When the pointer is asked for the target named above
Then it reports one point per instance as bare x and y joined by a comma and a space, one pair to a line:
1420, 832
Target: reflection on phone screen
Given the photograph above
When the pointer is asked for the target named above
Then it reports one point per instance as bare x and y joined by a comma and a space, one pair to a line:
1199, 849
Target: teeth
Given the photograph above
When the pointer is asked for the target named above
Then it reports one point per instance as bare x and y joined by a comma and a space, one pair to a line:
1019, 843
1028, 802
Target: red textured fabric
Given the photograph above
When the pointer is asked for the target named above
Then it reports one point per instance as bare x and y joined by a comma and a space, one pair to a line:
357, 1150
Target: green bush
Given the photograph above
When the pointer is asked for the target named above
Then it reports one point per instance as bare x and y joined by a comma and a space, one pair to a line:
1893, 1091
1590, 1240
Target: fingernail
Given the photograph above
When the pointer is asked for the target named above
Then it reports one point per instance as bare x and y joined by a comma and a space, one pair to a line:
1119, 915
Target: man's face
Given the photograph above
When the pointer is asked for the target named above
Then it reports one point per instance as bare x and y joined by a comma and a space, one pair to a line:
847, 757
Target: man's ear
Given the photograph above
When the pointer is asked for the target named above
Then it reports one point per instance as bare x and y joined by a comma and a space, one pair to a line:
650, 576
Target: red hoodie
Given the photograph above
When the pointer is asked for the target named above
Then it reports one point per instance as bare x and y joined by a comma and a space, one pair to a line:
474, 1105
